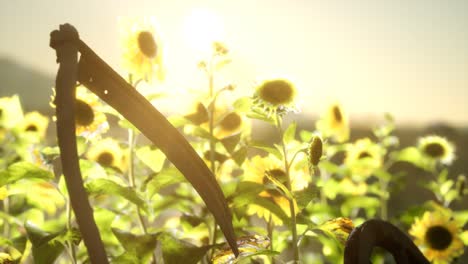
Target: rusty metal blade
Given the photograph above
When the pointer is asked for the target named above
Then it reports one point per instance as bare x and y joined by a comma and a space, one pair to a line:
101, 79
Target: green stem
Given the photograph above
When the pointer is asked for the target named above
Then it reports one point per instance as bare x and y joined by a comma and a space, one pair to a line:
383, 199
270, 229
6, 209
131, 170
71, 246
323, 196
212, 143
288, 185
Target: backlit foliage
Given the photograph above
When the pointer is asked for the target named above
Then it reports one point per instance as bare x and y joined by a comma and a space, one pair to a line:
308, 188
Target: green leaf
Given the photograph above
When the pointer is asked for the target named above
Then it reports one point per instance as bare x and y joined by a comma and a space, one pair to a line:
23, 170
141, 246
202, 133
369, 204
446, 186
281, 186
259, 115
240, 155
90, 170
153, 158
244, 199
412, 155
304, 197
104, 186
230, 143
124, 123
177, 251
305, 135
267, 148
45, 247
461, 217
243, 104
166, 177
290, 133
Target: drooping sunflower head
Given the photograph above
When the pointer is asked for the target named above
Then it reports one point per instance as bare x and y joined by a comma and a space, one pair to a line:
438, 236
142, 48
335, 123
35, 123
230, 124
108, 153
436, 148
275, 94
364, 157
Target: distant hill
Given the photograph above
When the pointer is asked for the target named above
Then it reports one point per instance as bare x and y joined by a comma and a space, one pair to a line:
33, 87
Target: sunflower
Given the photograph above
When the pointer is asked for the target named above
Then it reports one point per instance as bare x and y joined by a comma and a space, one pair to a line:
230, 124
11, 112
438, 236
107, 153
436, 148
364, 157
275, 94
35, 123
335, 123
142, 50
89, 120
256, 170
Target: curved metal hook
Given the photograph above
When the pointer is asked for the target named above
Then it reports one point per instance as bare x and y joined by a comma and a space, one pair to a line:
379, 233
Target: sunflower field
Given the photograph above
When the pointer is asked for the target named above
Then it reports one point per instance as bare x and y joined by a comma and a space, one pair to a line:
294, 198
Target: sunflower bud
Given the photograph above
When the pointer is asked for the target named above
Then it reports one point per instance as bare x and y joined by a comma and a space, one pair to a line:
315, 150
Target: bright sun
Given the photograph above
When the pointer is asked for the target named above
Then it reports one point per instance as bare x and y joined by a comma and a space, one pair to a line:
202, 27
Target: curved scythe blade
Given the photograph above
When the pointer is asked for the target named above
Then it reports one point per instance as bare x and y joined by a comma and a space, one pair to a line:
101, 79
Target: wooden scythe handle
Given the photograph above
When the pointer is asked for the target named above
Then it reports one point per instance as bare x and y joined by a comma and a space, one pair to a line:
378, 233
64, 42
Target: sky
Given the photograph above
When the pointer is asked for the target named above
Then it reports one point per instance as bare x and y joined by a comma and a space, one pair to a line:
409, 58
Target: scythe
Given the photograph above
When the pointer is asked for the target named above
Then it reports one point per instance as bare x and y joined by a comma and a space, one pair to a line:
101, 79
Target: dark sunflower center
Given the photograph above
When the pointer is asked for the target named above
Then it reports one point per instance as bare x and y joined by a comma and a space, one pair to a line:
32, 128
434, 150
147, 44
231, 122
337, 114
364, 154
105, 159
438, 237
1, 112
276, 92
84, 115
277, 174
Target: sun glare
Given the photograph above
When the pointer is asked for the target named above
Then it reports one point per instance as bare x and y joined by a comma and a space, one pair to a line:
201, 28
